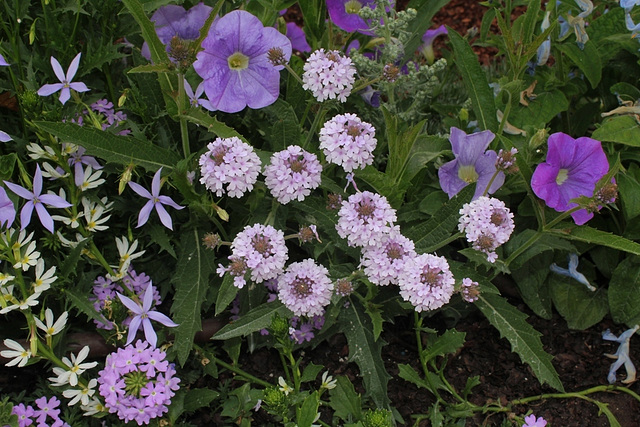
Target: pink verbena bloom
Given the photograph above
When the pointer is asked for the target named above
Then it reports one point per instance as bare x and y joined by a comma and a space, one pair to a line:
305, 288
472, 164
143, 315
230, 166
572, 169
7, 209
234, 63
261, 249
155, 201
137, 383
292, 174
427, 40
24, 414
488, 223
426, 282
329, 75
365, 218
47, 408
35, 199
348, 141
65, 84
532, 421
469, 290
384, 261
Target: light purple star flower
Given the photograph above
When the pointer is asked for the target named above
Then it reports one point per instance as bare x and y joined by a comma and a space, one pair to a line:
572, 169
143, 315
77, 159
194, 98
428, 38
235, 66
532, 421
174, 21
3, 62
65, 84
7, 209
4, 137
472, 164
36, 199
155, 201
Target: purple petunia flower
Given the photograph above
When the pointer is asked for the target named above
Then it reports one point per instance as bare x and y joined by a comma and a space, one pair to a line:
472, 164
35, 199
427, 39
65, 84
7, 209
572, 169
532, 421
143, 315
305, 288
235, 66
348, 141
344, 14
155, 201
174, 21
297, 37
292, 174
426, 282
3, 62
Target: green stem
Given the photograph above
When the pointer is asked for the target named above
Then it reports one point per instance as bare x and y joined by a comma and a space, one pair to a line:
184, 131
293, 73
232, 368
316, 122
423, 362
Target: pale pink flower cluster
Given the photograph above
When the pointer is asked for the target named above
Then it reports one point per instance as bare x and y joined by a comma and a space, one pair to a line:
292, 174
384, 261
305, 288
137, 383
487, 223
347, 141
365, 218
426, 282
328, 75
230, 166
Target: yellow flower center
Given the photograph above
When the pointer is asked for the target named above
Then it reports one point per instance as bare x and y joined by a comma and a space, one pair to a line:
238, 61
563, 174
352, 7
468, 173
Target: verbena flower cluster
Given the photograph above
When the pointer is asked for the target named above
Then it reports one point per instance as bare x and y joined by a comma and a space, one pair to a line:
384, 261
365, 218
137, 383
292, 174
426, 282
305, 288
229, 166
487, 223
347, 141
328, 75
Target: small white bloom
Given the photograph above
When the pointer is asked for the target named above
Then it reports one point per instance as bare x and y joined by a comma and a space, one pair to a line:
90, 179
284, 387
95, 406
127, 252
44, 280
19, 354
49, 171
81, 395
76, 367
51, 328
93, 214
31, 301
5, 278
27, 258
37, 152
327, 381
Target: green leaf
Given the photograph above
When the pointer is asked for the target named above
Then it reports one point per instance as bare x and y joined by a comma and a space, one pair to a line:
624, 292
540, 110
71, 260
149, 68
160, 237
587, 59
191, 282
197, 398
80, 301
449, 342
310, 373
226, 294
408, 373
306, 414
424, 149
545, 242
430, 235
629, 189
524, 339
366, 352
7, 164
588, 234
580, 307
344, 400
113, 148
475, 81
284, 129
531, 282
314, 13
621, 129
383, 184
202, 118
375, 313
256, 319
426, 10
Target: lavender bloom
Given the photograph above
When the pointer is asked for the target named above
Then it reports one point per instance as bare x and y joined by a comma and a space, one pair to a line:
103, 106
634, 28
65, 84
305, 288
542, 55
4, 137
292, 174
629, 4
426, 282
622, 355
572, 169
194, 98
297, 37
427, 39
469, 290
155, 201
371, 96
344, 14
235, 66
36, 199
3, 62
532, 421
328, 75
348, 141
384, 261
365, 218
143, 316
472, 164
572, 271
174, 21
7, 209
77, 159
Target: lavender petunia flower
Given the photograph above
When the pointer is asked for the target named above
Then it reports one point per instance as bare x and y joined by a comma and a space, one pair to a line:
472, 164
4, 137
235, 66
174, 21
36, 199
65, 84
572, 169
297, 37
3, 62
621, 355
344, 14
427, 39
143, 315
7, 209
155, 201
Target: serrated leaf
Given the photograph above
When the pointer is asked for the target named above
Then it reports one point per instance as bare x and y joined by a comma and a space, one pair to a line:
256, 319
624, 292
80, 301
160, 237
588, 234
587, 59
201, 118
580, 307
524, 339
449, 342
407, 373
226, 294
197, 398
344, 400
310, 372
531, 282
191, 282
475, 81
284, 129
113, 148
366, 352
375, 314
621, 129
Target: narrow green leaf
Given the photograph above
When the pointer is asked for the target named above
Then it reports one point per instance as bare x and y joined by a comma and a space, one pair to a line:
191, 282
197, 398
530, 20
532, 283
475, 81
587, 59
629, 188
156, 48
149, 68
580, 307
344, 400
226, 294
71, 260
113, 148
256, 319
314, 13
621, 129
588, 234
407, 373
7, 164
524, 339
624, 292
160, 237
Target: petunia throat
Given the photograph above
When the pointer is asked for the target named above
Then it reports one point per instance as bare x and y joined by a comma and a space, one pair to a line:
352, 7
563, 174
238, 61
468, 173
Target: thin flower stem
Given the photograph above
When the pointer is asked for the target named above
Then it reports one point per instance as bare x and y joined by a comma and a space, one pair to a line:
233, 369
365, 84
316, 122
493, 177
423, 363
184, 131
293, 73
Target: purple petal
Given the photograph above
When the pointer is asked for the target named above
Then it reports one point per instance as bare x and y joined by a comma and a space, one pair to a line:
430, 35
49, 89
45, 218
57, 69
3, 62
140, 190
147, 299
149, 333
65, 94
130, 304
7, 209
450, 182
155, 183
273, 38
161, 318
188, 91
165, 218
486, 168
297, 37
25, 215
4, 137
143, 216
468, 148
37, 182
73, 67
79, 87
349, 22
133, 329
166, 200
54, 200
19, 190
